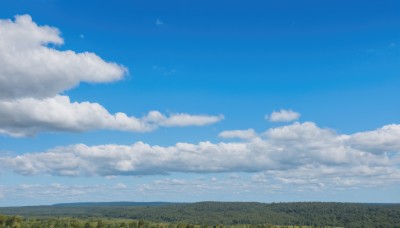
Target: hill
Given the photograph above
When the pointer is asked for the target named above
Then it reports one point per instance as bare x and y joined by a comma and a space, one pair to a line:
111, 204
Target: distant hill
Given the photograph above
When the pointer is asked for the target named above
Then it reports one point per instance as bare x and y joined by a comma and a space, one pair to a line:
228, 213
111, 204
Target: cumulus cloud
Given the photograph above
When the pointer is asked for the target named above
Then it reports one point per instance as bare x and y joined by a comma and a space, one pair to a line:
385, 139
283, 116
298, 153
31, 68
241, 134
33, 74
28, 116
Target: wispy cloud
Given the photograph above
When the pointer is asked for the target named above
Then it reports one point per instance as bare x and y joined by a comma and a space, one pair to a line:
283, 116
241, 134
164, 70
159, 22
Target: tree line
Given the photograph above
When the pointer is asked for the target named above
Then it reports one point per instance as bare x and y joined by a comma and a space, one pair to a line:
212, 214
64, 222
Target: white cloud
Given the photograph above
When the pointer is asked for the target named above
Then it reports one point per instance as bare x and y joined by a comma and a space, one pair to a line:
183, 119
297, 154
283, 116
31, 68
241, 134
385, 139
178, 190
33, 74
251, 187
323, 176
28, 116
53, 193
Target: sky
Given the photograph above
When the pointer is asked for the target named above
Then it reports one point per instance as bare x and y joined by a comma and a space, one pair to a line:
187, 101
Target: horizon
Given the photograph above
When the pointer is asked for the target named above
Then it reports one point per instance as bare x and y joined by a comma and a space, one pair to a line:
165, 203
256, 101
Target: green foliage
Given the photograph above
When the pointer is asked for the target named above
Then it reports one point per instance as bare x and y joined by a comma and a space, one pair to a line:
10, 221
207, 215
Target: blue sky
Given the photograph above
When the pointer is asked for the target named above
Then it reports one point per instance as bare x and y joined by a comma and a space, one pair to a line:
217, 100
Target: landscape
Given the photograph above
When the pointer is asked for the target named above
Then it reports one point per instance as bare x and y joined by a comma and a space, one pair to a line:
205, 214
200, 113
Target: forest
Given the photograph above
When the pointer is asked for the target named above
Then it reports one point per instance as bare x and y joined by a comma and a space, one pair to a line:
203, 215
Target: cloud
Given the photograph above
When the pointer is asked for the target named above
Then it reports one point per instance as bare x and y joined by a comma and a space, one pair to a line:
29, 116
297, 154
283, 116
183, 119
317, 177
251, 187
43, 194
159, 22
385, 139
177, 190
120, 186
241, 134
30, 67
164, 70
34, 74
199, 188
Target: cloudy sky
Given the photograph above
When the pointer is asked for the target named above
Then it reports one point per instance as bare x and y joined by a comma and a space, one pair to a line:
189, 101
